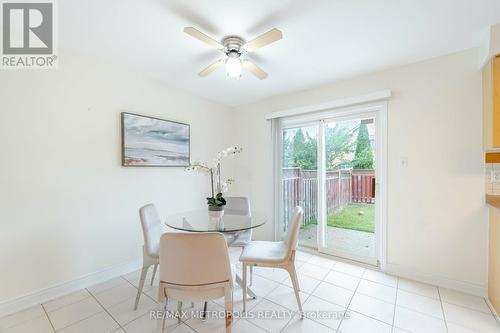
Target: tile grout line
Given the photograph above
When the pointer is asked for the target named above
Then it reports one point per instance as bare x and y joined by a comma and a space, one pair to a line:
354, 293
48, 318
336, 259
109, 288
263, 329
271, 301
125, 282
469, 308
427, 297
422, 313
68, 304
369, 296
369, 316
286, 324
143, 293
73, 303
309, 295
106, 310
249, 322
185, 323
442, 309
82, 319
323, 280
440, 300
350, 301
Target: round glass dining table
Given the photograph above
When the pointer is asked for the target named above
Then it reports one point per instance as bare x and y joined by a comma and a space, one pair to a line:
229, 223
203, 221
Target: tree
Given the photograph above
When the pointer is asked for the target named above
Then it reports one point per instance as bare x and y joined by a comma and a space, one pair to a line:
363, 156
304, 151
301, 150
288, 161
338, 147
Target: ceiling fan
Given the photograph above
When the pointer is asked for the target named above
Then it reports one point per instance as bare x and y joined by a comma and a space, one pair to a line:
234, 47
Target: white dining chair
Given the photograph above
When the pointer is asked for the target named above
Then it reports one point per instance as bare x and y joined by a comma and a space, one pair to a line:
275, 254
195, 267
151, 229
239, 206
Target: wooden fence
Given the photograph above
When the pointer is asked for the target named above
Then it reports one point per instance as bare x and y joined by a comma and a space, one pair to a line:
362, 185
300, 188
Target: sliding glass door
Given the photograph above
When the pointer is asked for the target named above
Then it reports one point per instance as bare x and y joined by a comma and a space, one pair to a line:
347, 227
329, 168
299, 181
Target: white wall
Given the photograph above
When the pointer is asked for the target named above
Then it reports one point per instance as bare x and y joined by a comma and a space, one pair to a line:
69, 209
67, 206
436, 211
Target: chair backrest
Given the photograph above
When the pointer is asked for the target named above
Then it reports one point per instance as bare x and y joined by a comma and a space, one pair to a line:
237, 206
151, 229
293, 230
194, 259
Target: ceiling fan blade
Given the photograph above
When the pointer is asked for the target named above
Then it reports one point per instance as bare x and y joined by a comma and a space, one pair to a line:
254, 69
267, 38
207, 71
204, 38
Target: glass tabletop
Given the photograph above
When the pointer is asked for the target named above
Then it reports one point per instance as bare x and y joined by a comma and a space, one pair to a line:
203, 221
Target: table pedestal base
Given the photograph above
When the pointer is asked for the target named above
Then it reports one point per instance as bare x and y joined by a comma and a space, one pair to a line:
249, 290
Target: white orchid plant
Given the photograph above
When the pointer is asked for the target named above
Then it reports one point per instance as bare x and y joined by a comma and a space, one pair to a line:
218, 187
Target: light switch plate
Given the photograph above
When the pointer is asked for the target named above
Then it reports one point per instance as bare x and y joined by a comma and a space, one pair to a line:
403, 161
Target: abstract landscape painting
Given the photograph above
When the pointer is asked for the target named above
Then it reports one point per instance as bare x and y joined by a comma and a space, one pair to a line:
150, 141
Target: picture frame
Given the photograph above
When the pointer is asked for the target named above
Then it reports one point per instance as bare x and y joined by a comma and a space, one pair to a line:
154, 142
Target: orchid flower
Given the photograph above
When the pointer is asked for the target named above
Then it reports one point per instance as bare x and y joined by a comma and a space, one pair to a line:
215, 170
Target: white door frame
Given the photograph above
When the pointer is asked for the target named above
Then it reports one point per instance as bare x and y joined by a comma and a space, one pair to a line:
377, 110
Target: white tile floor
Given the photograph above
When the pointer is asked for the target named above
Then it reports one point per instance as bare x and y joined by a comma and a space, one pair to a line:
336, 296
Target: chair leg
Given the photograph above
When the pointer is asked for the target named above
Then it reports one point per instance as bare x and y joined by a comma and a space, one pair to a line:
251, 274
154, 273
179, 311
228, 308
244, 287
294, 271
164, 315
295, 283
144, 272
204, 314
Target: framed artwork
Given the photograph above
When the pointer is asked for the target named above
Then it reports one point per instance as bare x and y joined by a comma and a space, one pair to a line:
148, 141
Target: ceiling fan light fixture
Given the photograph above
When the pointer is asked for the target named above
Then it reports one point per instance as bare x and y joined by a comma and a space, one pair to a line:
233, 46
233, 65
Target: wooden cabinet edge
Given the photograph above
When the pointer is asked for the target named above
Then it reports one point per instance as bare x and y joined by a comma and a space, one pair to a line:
494, 258
491, 104
496, 102
493, 200
487, 80
492, 157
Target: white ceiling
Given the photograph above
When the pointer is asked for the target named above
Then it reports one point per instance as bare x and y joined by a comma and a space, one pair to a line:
323, 40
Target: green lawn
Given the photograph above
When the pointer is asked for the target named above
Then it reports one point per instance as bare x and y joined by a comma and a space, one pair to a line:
359, 217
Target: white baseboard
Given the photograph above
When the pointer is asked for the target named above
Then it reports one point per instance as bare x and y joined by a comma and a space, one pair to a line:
47, 294
412, 274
